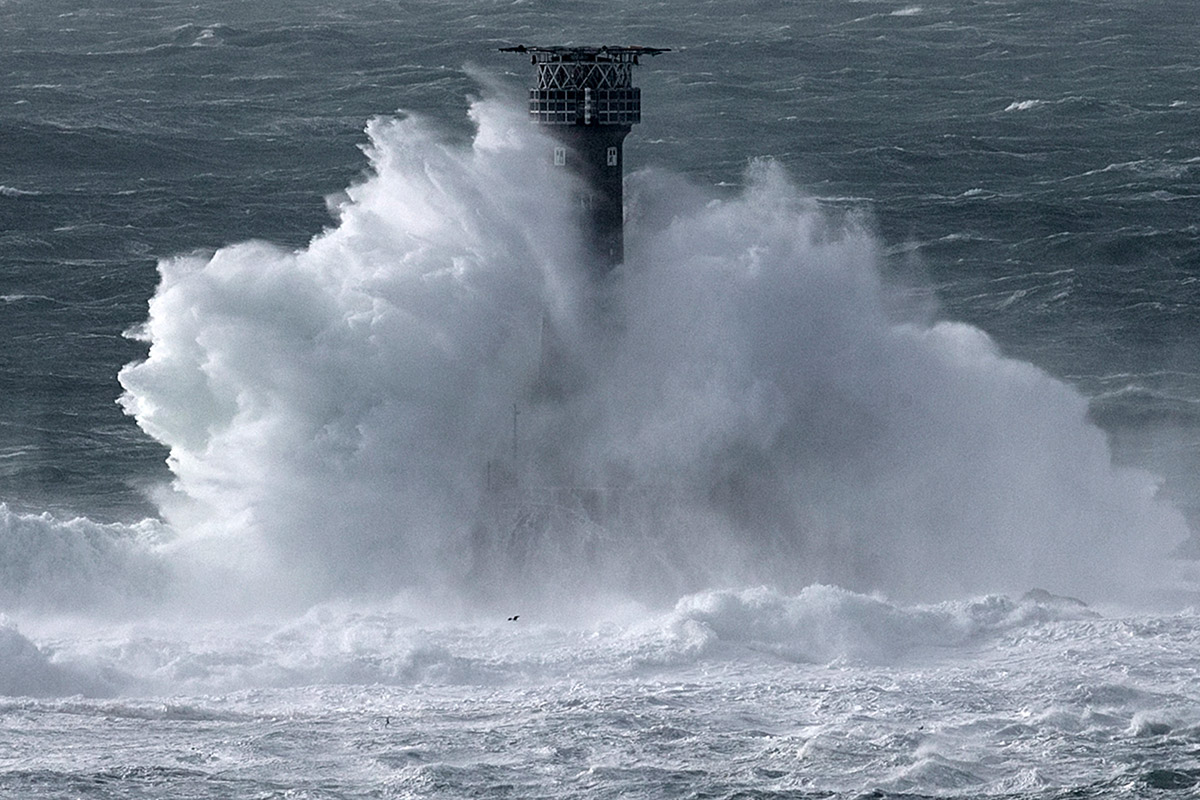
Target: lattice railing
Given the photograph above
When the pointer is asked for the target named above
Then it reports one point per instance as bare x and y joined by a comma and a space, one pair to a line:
584, 75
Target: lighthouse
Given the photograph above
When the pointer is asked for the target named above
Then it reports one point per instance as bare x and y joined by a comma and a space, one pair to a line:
585, 99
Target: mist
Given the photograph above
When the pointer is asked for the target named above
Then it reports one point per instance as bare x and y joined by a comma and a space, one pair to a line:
431, 399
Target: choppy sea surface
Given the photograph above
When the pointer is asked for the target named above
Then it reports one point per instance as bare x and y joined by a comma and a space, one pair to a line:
869, 473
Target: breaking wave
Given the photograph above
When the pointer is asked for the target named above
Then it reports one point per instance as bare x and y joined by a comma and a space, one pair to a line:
431, 398
76, 565
365, 644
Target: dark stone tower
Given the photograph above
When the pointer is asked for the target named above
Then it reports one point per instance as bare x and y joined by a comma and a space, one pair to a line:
586, 100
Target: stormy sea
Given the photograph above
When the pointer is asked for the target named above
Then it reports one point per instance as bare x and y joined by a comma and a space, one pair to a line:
326, 471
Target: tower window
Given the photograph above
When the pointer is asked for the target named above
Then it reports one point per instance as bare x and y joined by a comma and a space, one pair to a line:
612, 156
560, 156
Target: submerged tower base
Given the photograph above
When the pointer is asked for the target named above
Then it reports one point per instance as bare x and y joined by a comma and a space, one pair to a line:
539, 516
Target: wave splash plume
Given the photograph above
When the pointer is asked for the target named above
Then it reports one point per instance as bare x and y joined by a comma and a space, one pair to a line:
339, 417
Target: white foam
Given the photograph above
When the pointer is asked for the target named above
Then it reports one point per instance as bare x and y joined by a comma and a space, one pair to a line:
397, 644
331, 412
1024, 105
823, 623
49, 564
28, 671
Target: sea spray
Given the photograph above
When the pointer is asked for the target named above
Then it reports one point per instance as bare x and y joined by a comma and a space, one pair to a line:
50, 565
339, 403
364, 643
739, 385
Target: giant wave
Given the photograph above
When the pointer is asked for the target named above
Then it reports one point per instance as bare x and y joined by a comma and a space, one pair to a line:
331, 412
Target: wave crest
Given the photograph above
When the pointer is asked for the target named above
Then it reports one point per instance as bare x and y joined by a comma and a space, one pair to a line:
742, 377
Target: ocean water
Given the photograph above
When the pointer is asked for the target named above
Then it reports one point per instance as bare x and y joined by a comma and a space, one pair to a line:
869, 473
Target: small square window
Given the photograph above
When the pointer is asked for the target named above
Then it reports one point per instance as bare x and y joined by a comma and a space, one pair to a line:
613, 156
560, 156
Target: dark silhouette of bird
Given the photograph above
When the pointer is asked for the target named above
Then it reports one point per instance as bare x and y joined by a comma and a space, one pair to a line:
514, 617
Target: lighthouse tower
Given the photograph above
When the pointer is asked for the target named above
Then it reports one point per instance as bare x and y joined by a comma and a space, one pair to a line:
586, 100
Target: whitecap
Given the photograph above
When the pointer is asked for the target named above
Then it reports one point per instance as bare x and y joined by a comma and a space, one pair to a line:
1025, 105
